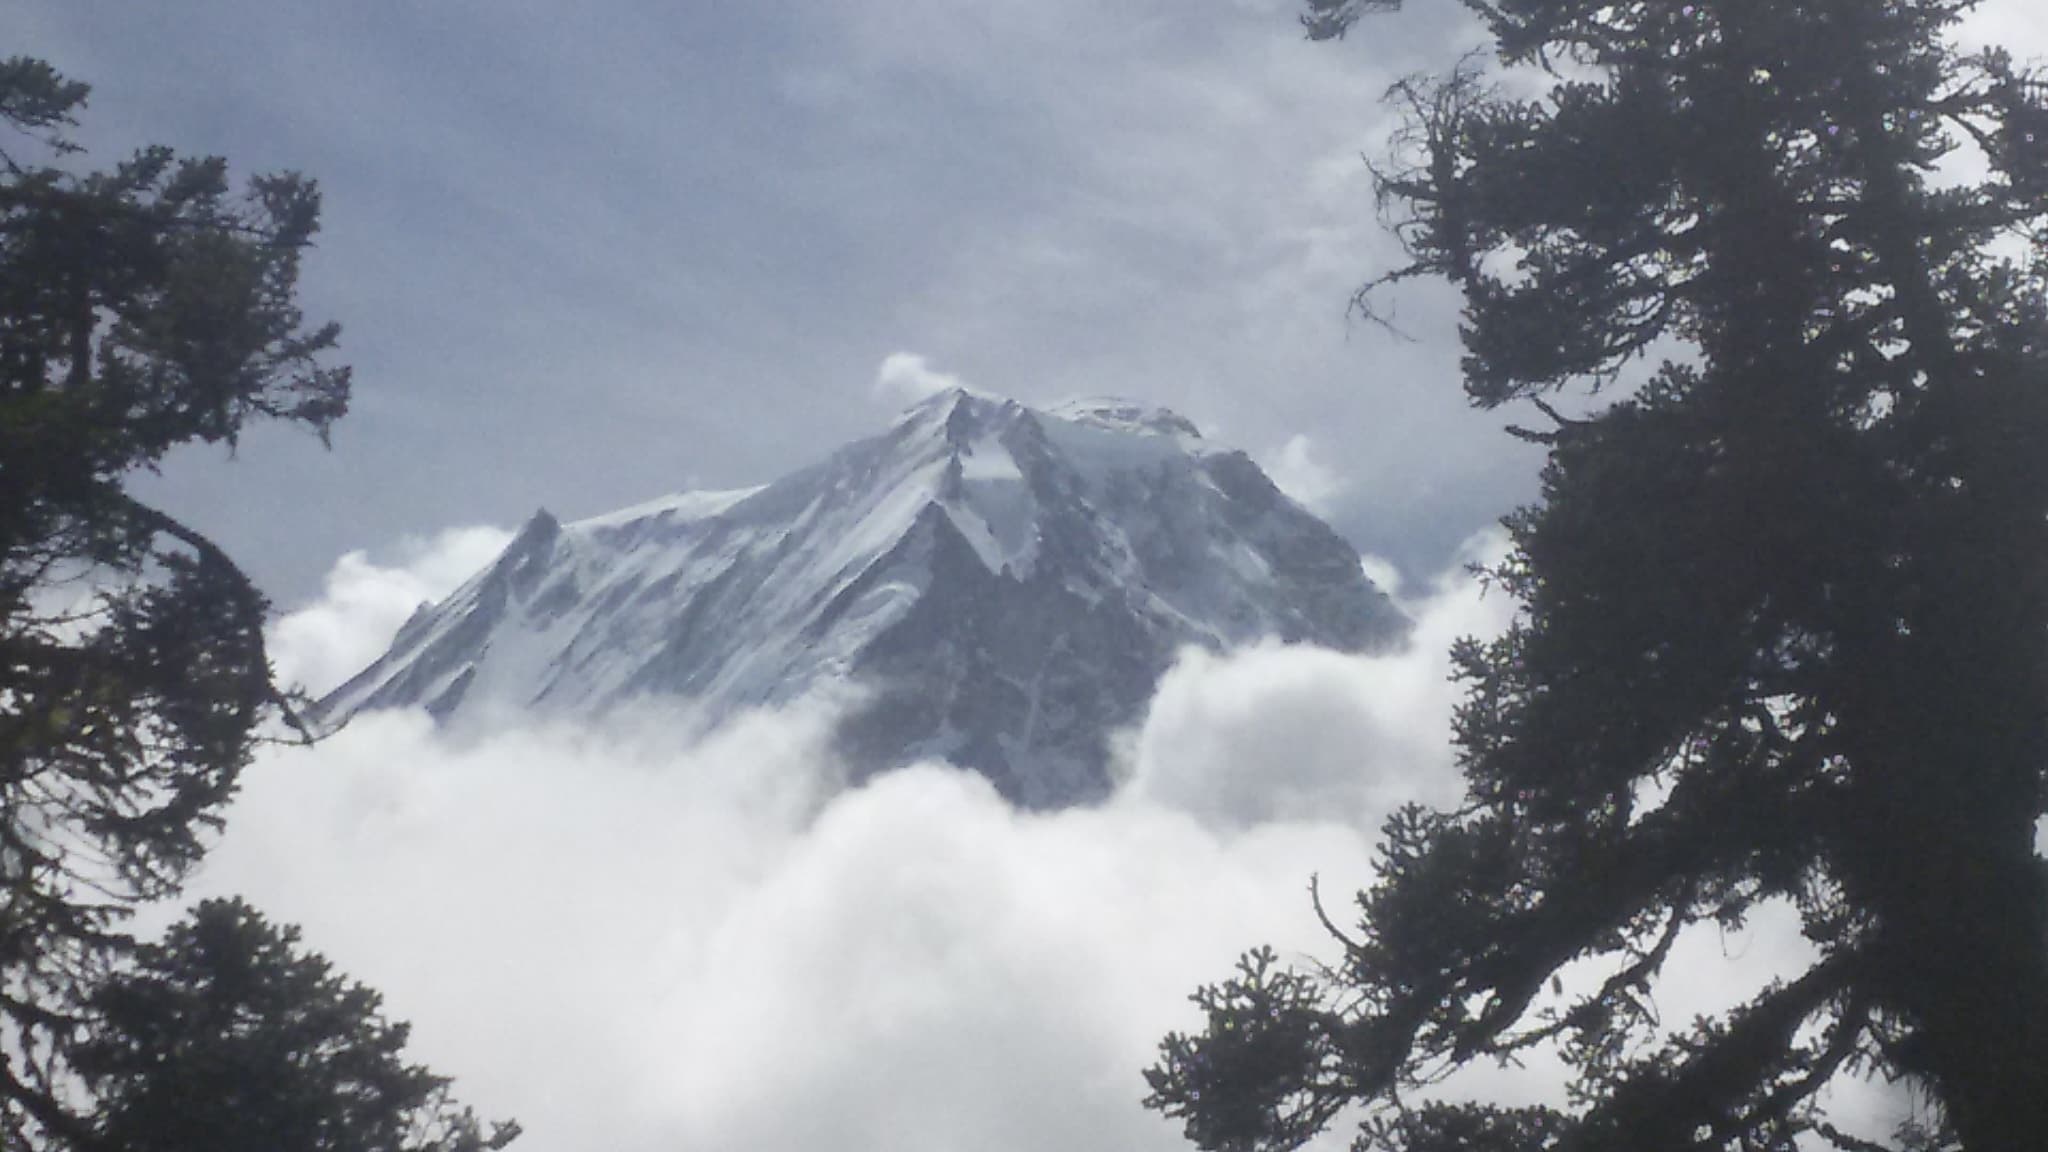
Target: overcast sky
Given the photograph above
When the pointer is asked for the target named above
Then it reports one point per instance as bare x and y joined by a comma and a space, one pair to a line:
589, 253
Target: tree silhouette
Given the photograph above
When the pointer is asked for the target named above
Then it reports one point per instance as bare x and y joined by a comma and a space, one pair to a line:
141, 309
227, 1037
1783, 635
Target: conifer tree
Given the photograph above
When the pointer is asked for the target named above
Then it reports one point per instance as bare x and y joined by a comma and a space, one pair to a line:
1783, 628
226, 1036
141, 309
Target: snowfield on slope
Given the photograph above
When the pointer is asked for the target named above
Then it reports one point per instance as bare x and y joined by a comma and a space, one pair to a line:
1004, 585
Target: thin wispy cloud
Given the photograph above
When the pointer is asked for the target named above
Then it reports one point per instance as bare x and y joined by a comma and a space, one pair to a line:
906, 377
1298, 469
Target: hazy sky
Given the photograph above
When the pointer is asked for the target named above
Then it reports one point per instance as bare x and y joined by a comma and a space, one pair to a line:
589, 253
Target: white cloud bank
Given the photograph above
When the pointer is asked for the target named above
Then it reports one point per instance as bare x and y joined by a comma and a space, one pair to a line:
633, 942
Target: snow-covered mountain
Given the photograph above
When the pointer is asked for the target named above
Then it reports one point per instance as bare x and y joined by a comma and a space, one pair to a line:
1007, 584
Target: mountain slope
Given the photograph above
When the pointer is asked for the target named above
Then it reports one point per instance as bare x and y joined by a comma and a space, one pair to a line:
1008, 585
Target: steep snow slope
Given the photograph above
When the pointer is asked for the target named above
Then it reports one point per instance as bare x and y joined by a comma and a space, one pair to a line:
1007, 583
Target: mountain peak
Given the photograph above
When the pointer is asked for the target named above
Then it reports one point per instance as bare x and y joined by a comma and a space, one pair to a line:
943, 403
1115, 412
1006, 583
960, 405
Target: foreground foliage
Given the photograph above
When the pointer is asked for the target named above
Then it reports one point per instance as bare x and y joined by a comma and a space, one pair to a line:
1783, 625
226, 1036
141, 309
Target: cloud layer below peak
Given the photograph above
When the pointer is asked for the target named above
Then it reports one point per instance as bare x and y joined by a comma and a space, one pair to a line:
643, 936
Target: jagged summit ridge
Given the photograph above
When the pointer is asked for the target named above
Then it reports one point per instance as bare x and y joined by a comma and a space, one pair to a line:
1007, 583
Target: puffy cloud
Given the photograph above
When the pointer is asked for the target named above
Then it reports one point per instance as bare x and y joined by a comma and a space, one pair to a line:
906, 378
1301, 475
1283, 733
633, 939
527, 897
364, 602
929, 969
633, 945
